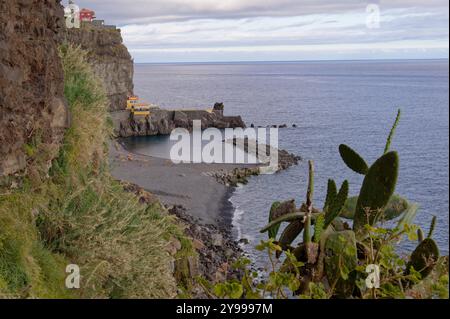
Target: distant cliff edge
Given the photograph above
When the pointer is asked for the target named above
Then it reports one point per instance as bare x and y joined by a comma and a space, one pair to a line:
109, 59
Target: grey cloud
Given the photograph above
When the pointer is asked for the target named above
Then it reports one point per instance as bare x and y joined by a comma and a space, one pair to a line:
220, 28
124, 12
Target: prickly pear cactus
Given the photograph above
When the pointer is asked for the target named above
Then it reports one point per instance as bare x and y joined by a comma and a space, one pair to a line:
378, 187
432, 227
353, 160
274, 230
319, 227
290, 233
420, 235
391, 134
424, 258
331, 193
340, 259
278, 210
336, 205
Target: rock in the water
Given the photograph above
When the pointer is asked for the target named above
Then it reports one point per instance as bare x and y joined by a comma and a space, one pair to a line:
218, 107
244, 241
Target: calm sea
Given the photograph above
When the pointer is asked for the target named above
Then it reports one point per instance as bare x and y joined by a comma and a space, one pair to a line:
351, 102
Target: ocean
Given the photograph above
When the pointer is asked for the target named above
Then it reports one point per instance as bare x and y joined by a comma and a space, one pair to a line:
351, 102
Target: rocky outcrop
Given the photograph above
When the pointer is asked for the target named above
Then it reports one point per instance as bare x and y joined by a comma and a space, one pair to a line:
162, 122
216, 248
33, 112
109, 59
240, 175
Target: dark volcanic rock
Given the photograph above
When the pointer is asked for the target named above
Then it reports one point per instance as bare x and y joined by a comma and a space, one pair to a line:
180, 119
216, 248
32, 104
219, 107
162, 122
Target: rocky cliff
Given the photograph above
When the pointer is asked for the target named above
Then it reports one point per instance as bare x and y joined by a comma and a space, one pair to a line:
33, 112
109, 59
162, 121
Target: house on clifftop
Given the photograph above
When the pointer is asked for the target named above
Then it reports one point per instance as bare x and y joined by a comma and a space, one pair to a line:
87, 15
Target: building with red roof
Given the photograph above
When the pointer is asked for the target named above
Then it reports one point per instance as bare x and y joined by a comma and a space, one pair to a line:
87, 15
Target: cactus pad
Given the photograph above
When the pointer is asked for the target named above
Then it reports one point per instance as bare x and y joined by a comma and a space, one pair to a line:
336, 205
377, 189
331, 193
353, 160
273, 231
290, 233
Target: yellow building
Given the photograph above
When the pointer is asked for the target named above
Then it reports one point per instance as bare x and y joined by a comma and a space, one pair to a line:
138, 109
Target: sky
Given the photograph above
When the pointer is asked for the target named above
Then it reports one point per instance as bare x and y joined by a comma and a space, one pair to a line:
164, 31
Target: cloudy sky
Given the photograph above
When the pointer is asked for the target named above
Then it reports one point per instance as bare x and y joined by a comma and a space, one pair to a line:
277, 30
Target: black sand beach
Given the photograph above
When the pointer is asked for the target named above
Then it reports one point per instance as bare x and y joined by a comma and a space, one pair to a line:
192, 186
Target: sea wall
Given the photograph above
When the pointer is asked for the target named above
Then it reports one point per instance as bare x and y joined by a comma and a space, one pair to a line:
33, 111
162, 121
109, 59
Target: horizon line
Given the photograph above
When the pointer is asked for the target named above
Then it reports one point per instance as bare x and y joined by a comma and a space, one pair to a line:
296, 61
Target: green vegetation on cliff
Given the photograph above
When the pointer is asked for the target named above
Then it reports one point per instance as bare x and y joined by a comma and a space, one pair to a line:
78, 214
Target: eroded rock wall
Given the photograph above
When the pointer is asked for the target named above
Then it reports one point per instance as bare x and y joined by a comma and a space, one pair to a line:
162, 122
32, 106
109, 58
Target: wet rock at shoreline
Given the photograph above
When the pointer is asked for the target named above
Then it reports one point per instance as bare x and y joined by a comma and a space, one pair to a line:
244, 241
215, 246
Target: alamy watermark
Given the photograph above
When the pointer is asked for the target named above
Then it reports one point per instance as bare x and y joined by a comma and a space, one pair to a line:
72, 16
228, 146
73, 278
373, 18
373, 278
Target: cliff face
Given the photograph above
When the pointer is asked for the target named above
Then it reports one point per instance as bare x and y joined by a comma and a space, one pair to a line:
32, 106
109, 59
